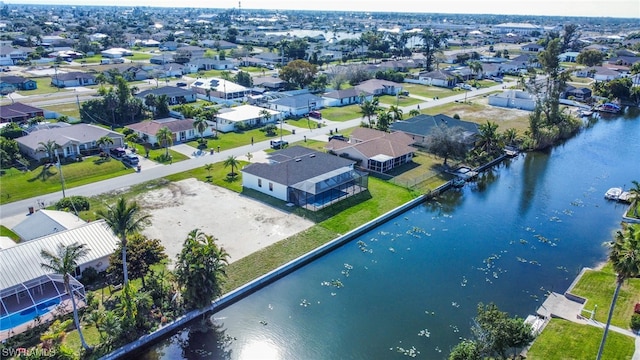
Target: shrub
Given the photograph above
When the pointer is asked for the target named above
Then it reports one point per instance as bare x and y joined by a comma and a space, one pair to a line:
73, 203
89, 275
635, 322
456, 116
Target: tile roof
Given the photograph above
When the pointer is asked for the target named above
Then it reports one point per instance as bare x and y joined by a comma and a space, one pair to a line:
151, 127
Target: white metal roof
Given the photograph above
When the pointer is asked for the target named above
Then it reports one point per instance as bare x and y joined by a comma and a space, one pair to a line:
21, 263
244, 113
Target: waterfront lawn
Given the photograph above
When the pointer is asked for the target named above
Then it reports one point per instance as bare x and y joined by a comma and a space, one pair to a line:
480, 113
630, 213
597, 286
18, 185
428, 91
401, 100
562, 339
5, 231
342, 113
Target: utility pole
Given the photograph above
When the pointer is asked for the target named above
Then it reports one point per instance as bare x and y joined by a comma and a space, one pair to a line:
59, 166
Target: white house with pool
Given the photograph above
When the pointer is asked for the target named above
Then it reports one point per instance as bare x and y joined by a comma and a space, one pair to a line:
305, 177
27, 290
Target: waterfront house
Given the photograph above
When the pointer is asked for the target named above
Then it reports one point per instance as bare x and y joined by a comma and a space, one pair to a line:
305, 177
418, 128
513, 99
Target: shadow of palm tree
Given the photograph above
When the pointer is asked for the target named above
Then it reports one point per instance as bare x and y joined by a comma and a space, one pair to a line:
45, 173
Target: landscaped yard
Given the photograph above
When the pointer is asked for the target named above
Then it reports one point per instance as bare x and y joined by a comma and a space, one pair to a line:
342, 113
234, 139
428, 91
44, 87
157, 155
303, 123
562, 339
598, 287
18, 185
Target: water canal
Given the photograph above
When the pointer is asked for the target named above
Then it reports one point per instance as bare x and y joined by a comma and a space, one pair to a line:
526, 227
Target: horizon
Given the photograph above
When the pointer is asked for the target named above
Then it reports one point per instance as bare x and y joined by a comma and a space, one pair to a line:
569, 8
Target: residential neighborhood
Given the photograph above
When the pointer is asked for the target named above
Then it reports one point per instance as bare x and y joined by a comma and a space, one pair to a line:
164, 165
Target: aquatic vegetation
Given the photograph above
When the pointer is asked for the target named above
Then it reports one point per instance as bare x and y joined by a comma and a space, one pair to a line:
410, 352
304, 303
424, 332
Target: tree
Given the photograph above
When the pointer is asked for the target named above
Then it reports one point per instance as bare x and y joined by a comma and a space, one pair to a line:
142, 252
165, 137
150, 101
50, 147
476, 68
201, 269
590, 57
244, 79
446, 142
298, 73
9, 152
200, 124
64, 262
624, 255
570, 35
396, 112
105, 141
208, 168
431, 44
384, 119
368, 108
414, 112
265, 115
635, 196
125, 219
488, 139
232, 162
162, 106
465, 350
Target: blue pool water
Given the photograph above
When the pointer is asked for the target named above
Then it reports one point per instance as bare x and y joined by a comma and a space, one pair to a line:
27, 315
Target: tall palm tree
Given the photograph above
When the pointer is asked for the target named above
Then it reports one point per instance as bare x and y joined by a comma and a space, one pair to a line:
488, 138
625, 258
414, 112
635, 196
50, 147
368, 109
64, 261
105, 141
165, 137
396, 112
384, 119
475, 67
265, 115
124, 219
233, 162
200, 124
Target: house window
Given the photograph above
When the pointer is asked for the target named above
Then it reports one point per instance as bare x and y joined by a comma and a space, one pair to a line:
259, 182
270, 186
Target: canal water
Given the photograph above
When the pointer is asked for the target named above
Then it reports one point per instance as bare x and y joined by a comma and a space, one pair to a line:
411, 286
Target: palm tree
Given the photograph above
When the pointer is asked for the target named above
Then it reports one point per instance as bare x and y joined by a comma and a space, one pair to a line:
488, 138
124, 219
368, 109
265, 115
65, 261
151, 102
475, 67
510, 136
414, 112
635, 196
396, 112
105, 141
200, 124
50, 147
233, 162
208, 167
162, 106
384, 119
165, 137
625, 258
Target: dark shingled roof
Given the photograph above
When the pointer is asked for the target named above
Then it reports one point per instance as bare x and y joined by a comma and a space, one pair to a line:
296, 164
422, 124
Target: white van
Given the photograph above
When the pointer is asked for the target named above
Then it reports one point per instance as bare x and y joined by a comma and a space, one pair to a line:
105, 61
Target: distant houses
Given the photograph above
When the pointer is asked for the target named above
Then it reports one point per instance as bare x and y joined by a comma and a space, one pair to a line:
19, 112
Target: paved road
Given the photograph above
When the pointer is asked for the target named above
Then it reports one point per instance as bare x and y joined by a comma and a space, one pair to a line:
21, 207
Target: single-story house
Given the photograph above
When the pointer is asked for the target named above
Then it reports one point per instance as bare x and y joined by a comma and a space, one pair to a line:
10, 84
219, 44
441, 78
345, 97
72, 140
514, 99
305, 177
228, 119
569, 56
114, 53
18, 112
211, 64
419, 127
579, 94
532, 47
598, 73
297, 105
220, 88
375, 150
25, 285
46, 222
72, 79
252, 61
162, 59
10, 55
379, 87
176, 95
182, 129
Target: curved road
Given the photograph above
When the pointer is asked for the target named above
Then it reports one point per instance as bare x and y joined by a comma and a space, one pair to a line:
21, 207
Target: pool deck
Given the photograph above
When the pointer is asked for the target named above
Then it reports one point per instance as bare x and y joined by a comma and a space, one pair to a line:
65, 306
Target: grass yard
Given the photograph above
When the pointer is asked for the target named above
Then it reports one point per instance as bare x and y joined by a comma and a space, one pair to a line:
401, 100
479, 112
5, 231
69, 109
598, 287
422, 175
234, 139
217, 176
303, 123
562, 339
139, 56
157, 155
343, 113
428, 91
17, 185
44, 87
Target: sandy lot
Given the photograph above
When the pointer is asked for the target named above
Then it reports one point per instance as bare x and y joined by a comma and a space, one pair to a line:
242, 225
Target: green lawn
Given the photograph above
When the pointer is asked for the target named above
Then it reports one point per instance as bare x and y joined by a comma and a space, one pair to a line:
69, 109
139, 56
303, 123
157, 155
217, 176
401, 101
428, 91
235, 139
44, 87
562, 339
342, 113
598, 288
17, 185
5, 231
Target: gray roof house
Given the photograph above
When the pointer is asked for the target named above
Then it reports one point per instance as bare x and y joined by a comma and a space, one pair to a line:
345, 97
175, 94
419, 127
72, 140
297, 105
72, 79
380, 87
305, 177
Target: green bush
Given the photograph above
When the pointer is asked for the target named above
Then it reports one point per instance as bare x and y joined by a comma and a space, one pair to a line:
635, 322
73, 203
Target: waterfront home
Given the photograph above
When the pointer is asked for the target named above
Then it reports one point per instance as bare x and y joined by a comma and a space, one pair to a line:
72, 140
375, 150
305, 177
418, 128
513, 99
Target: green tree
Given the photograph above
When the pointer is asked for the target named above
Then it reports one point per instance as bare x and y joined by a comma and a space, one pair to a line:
9, 152
432, 44
104, 141
165, 137
624, 255
414, 112
265, 115
244, 79
476, 68
151, 103
142, 252
201, 269
446, 142
496, 333
200, 124
465, 350
50, 147
396, 112
298, 73
232, 162
64, 261
125, 219
384, 119
368, 108
162, 106
590, 57
635, 197
488, 139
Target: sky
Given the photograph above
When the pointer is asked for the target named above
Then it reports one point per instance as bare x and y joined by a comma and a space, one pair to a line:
590, 8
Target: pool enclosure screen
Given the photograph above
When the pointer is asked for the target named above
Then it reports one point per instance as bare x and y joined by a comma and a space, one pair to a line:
326, 189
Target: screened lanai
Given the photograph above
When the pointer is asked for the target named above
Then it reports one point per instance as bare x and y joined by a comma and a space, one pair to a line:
326, 189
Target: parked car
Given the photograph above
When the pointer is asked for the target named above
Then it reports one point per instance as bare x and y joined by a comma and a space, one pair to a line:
181, 84
117, 152
315, 114
338, 137
279, 144
130, 159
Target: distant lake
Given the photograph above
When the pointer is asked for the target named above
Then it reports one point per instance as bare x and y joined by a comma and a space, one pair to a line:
524, 228
312, 33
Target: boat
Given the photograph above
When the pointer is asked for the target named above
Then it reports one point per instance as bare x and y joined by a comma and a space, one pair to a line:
586, 113
458, 182
625, 196
613, 193
608, 108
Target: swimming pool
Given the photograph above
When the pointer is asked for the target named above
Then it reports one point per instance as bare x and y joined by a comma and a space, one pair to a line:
28, 314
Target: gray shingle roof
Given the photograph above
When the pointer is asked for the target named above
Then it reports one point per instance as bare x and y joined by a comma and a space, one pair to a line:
422, 124
297, 101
